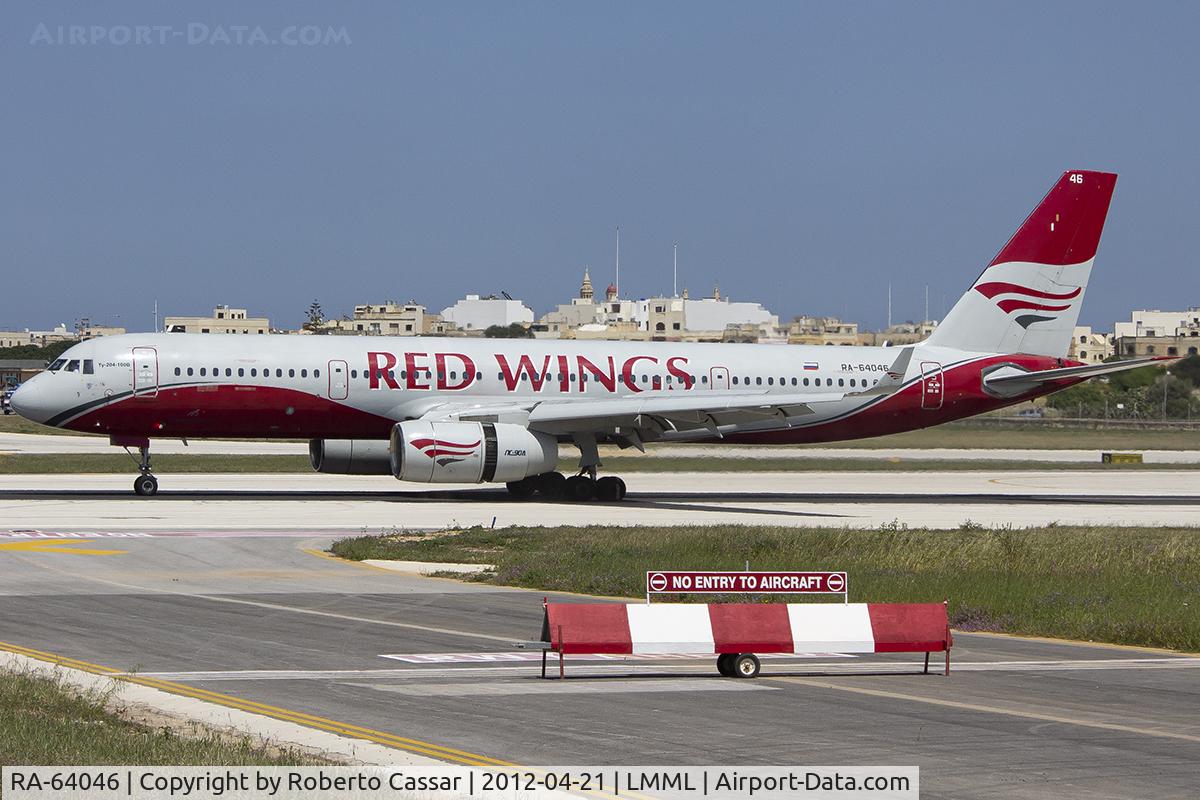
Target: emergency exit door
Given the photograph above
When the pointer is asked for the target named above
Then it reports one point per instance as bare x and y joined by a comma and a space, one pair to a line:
933, 388
145, 372
338, 387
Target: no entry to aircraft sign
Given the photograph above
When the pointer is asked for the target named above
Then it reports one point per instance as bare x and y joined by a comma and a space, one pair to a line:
676, 582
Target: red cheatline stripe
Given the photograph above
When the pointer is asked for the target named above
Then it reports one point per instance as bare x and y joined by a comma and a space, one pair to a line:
993, 288
1015, 305
434, 452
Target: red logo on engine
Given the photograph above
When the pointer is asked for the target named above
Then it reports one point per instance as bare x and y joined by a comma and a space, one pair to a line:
1026, 299
445, 451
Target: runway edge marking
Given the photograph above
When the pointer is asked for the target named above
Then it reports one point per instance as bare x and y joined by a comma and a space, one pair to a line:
309, 720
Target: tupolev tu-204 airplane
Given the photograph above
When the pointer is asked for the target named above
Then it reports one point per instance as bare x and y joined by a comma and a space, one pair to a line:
453, 410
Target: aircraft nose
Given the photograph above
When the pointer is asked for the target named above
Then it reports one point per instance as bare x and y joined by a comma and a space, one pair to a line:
30, 401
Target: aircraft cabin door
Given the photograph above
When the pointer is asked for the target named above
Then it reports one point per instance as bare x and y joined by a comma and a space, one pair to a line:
145, 372
933, 389
339, 388
718, 378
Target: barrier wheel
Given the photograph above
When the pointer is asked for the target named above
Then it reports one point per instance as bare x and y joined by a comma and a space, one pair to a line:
550, 484
521, 489
725, 664
746, 665
145, 485
610, 489
579, 487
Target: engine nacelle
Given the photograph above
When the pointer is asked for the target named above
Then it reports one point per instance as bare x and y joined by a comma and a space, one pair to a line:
350, 456
469, 452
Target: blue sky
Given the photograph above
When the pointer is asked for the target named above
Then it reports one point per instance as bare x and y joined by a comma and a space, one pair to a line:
804, 155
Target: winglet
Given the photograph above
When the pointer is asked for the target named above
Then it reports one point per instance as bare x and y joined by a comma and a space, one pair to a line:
894, 378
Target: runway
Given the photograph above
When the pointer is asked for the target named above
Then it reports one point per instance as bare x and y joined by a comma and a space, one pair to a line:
267, 620
54, 444
286, 503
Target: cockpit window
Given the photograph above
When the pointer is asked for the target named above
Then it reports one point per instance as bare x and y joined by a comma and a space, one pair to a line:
73, 365
57, 365
89, 367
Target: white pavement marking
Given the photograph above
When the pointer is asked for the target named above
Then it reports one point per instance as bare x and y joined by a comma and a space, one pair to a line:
540, 687
834, 667
51, 444
487, 658
335, 503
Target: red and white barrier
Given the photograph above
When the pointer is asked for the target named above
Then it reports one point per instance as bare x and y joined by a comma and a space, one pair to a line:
746, 628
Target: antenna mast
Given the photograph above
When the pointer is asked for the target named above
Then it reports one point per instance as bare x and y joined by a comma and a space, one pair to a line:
675, 272
617, 284
889, 305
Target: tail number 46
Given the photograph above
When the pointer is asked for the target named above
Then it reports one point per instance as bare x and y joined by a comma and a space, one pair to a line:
1076, 177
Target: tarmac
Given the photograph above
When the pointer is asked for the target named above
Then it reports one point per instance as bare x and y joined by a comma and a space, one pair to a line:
46, 444
268, 623
309, 502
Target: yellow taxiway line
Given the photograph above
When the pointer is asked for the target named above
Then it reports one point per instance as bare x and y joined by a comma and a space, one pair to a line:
309, 720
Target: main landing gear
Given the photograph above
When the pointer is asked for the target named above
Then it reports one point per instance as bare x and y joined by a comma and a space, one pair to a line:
582, 487
144, 485
556, 486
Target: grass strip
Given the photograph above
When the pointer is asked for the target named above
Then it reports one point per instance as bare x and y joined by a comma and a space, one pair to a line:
1138, 586
47, 722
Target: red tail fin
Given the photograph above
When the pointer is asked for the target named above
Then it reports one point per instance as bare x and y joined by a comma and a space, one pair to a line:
1065, 227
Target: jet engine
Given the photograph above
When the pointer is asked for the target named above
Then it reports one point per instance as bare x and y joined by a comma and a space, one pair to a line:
469, 452
350, 456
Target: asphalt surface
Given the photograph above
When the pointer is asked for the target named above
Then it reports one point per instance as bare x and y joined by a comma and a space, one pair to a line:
268, 619
35, 443
340, 503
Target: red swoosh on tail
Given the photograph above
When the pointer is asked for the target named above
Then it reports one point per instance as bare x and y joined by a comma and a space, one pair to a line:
1014, 305
991, 289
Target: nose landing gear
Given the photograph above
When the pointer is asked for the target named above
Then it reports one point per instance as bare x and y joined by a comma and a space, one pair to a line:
144, 485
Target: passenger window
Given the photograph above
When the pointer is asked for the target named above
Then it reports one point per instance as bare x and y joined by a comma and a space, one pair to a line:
278, 372
841, 382
806, 381
403, 375
241, 372
303, 373
291, 373
829, 381
316, 373
735, 380
770, 381
353, 373
203, 371
793, 381
253, 372
758, 381
189, 372
228, 372
88, 367
704, 379
177, 371
73, 365
478, 376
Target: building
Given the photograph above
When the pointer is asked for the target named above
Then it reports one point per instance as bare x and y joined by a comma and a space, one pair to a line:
903, 333
1090, 347
586, 318
223, 320
1158, 333
86, 330
822, 331
475, 313
14, 371
15, 338
390, 319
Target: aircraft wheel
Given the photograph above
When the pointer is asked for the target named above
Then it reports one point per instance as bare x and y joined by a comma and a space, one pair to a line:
522, 489
579, 487
610, 489
145, 485
746, 665
551, 484
725, 664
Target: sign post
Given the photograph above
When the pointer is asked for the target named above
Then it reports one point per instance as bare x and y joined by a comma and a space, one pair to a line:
749, 582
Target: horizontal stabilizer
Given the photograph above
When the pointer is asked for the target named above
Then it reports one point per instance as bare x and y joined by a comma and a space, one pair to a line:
1010, 378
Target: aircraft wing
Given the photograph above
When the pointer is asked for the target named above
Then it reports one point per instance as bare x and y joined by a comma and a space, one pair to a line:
696, 409
1010, 378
